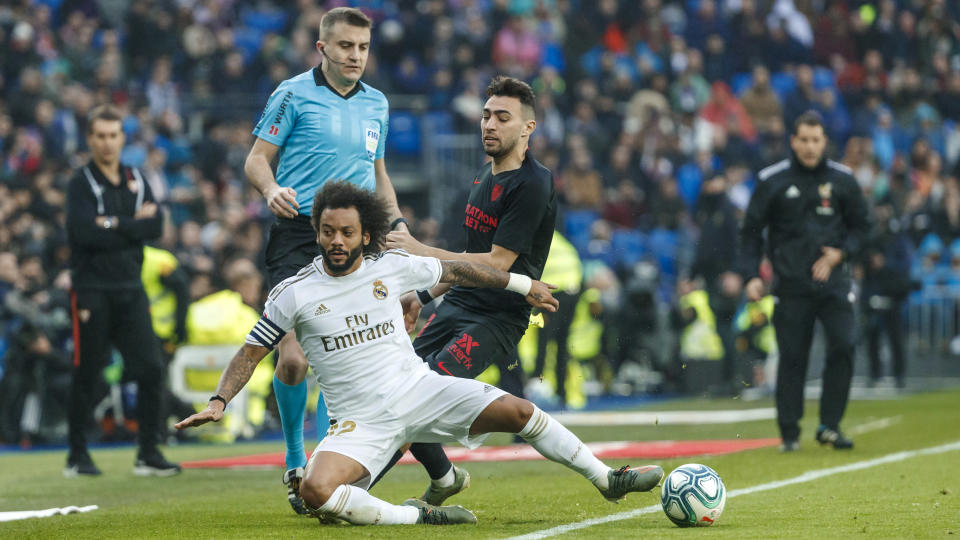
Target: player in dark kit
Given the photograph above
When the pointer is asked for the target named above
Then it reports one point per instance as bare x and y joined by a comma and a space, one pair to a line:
509, 220
816, 220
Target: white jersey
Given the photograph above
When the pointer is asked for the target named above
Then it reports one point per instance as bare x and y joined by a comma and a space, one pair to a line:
351, 328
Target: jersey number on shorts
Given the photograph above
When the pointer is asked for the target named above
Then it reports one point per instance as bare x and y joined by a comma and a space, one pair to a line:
341, 427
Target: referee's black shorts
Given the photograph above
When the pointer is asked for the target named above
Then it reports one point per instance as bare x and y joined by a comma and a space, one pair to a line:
291, 245
462, 343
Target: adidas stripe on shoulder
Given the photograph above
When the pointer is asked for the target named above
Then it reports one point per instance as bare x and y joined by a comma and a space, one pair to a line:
767, 172
839, 167
300, 276
381, 254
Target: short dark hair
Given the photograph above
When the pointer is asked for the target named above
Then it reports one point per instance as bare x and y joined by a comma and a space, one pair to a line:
373, 211
351, 16
110, 113
501, 85
809, 118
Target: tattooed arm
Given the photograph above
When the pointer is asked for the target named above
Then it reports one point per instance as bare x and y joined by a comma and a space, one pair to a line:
480, 275
473, 274
231, 381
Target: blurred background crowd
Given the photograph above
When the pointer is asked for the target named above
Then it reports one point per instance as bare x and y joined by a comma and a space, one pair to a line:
654, 115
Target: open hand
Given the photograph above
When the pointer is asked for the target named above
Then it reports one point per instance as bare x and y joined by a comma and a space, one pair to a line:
213, 413
540, 297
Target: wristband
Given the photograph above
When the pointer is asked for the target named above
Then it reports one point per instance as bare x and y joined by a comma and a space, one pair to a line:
399, 220
424, 296
219, 398
519, 283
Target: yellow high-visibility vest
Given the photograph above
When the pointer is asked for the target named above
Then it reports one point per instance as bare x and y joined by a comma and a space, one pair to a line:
700, 340
158, 264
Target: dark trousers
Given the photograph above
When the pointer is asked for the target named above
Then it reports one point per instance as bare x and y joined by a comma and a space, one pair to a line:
557, 327
879, 322
793, 319
114, 318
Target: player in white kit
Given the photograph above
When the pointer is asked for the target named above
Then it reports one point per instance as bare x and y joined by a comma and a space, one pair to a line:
345, 309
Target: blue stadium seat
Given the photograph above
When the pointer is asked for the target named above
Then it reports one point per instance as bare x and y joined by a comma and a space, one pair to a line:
823, 78
598, 251
629, 246
403, 136
436, 122
553, 57
689, 178
783, 83
248, 40
265, 20
576, 226
663, 245
741, 82
590, 61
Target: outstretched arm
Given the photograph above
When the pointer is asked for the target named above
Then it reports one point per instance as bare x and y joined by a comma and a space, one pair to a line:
231, 381
471, 274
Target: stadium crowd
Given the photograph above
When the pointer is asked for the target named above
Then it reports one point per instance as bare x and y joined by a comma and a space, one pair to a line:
653, 115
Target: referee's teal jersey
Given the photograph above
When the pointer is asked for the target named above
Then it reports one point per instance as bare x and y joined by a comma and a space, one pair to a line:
323, 135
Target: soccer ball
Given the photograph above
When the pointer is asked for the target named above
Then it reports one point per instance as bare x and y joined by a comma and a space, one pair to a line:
693, 495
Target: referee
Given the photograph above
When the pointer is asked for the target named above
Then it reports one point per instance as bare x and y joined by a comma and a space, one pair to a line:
509, 221
110, 212
816, 220
323, 124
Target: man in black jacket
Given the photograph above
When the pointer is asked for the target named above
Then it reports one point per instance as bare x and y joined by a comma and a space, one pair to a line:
110, 212
816, 220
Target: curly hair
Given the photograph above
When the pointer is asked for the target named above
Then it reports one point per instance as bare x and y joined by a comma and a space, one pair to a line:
374, 215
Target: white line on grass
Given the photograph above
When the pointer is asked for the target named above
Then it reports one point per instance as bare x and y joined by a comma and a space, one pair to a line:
805, 477
621, 418
874, 425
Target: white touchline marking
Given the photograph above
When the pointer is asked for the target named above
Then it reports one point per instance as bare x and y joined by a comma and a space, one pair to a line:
874, 425
662, 418
805, 477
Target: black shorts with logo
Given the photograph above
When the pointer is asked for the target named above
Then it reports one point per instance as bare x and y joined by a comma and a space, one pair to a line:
291, 245
461, 343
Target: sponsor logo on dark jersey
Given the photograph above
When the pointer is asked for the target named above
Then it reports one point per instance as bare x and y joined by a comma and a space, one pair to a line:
478, 220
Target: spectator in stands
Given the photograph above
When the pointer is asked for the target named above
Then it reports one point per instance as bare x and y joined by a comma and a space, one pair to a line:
762, 104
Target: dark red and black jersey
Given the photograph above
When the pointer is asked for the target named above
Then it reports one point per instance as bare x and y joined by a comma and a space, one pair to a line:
516, 210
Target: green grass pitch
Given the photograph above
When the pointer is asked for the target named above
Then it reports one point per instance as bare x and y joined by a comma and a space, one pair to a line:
915, 498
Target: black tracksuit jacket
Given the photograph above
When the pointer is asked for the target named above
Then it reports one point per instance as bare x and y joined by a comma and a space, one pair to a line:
803, 209
108, 258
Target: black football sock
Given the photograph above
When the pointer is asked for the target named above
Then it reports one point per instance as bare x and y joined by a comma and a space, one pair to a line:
433, 458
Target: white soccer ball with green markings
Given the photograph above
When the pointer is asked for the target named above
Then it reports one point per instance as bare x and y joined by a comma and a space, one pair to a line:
693, 495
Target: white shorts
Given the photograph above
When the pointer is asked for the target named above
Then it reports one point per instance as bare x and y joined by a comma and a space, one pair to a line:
437, 408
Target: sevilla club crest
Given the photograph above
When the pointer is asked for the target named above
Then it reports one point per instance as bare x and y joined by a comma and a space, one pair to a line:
497, 191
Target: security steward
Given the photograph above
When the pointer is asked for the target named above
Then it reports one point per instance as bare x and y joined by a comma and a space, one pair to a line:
816, 221
110, 212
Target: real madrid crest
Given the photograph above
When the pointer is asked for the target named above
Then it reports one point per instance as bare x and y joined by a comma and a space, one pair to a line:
825, 191
379, 290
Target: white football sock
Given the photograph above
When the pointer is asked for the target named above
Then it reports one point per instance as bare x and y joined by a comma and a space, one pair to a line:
445, 480
356, 506
557, 443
